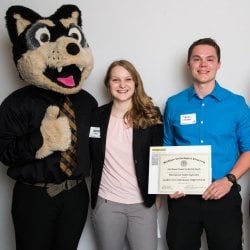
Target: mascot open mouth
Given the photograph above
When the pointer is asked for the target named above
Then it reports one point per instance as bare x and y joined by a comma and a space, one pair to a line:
68, 76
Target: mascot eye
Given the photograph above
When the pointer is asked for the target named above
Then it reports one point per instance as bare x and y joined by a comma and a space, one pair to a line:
42, 35
76, 34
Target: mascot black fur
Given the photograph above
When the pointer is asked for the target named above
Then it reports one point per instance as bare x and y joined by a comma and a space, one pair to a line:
50, 198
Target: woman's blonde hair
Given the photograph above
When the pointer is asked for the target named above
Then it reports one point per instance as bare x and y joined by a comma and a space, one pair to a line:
143, 113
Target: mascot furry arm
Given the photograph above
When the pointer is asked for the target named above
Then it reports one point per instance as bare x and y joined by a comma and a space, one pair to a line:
53, 57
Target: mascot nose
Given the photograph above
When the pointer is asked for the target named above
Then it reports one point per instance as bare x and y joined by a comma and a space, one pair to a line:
72, 49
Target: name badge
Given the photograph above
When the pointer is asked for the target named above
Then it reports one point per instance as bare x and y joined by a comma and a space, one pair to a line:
94, 132
187, 119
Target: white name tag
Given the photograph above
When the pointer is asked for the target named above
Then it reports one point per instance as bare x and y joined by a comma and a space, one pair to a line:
187, 119
94, 132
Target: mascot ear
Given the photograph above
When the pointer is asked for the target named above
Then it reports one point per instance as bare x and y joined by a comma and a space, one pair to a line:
67, 14
18, 18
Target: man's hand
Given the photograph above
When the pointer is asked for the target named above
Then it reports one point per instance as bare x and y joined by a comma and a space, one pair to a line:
176, 195
217, 189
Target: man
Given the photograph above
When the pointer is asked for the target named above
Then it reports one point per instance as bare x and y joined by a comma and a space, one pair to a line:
221, 119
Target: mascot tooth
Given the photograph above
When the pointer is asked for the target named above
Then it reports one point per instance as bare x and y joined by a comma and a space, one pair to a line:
44, 127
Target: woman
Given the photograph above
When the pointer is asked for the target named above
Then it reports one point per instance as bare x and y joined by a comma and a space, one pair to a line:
121, 134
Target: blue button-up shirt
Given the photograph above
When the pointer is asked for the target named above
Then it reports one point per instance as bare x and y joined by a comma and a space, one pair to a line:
221, 119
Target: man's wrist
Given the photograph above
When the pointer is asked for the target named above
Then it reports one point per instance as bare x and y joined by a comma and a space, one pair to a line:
232, 178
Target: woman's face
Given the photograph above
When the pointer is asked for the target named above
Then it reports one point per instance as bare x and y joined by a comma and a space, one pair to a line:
121, 84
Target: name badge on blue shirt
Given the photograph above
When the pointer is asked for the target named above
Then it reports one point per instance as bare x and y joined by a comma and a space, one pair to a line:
187, 119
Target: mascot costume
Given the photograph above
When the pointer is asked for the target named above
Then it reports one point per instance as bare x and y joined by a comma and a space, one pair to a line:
44, 128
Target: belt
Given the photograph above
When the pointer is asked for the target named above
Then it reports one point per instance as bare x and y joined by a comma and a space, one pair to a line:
55, 189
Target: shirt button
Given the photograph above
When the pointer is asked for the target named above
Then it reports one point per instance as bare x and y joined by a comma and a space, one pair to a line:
202, 141
201, 122
136, 161
203, 104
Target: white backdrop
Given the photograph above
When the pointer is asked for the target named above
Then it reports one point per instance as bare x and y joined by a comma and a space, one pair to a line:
155, 36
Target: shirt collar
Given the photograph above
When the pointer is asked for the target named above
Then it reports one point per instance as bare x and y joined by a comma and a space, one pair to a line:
217, 92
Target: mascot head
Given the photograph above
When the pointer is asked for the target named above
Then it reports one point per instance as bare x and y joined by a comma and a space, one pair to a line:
50, 52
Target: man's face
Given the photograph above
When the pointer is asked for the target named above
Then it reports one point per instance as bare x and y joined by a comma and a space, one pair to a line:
204, 64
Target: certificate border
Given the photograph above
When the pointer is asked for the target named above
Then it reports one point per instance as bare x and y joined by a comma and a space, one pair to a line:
188, 151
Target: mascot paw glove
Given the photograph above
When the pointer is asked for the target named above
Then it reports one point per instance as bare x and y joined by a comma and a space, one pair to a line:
56, 133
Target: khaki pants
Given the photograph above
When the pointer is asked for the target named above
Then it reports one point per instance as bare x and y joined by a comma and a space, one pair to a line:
114, 222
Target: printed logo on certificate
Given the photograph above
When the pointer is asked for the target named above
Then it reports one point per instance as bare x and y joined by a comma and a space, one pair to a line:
186, 169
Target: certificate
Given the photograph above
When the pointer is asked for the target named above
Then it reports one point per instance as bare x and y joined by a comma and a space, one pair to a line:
186, 169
